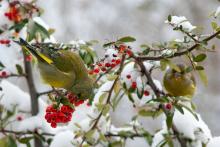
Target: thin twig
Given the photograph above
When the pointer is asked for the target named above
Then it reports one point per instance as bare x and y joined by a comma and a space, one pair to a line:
143, 58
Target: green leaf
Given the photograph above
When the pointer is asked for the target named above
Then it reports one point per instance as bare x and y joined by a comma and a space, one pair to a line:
169, 120
169, 18
25, 140
19, 26
127, 39
19, 69
130, 97
214, 25
188, 69
1, 31
191, 111
149, 113
89, 134
34, 30
199, 58
1, 66
108, 44
179, 108
11, 142
199, 68
65, 101
203, 77
102, 97
106, 109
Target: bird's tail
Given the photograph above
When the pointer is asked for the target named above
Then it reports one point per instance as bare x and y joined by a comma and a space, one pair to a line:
33, 51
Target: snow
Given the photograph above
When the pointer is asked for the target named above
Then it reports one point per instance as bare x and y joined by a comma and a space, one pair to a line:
13, 96
214, 142
64, 139
189, 127
181, 21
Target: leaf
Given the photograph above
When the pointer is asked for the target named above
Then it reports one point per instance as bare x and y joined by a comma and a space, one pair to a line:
169, 18
179, 108
108, 44
106, 109
203, 77
65, 101
214, 25
169, 120
130, 97
166, 62
89, 134
199, 58
111, 77
199, 68
127, 39
19, 26
1, 66
117, 87
188, 69
102, 97
149, 113
35, 29
1, 31
191, 111
11, 142
19, 69
25, 140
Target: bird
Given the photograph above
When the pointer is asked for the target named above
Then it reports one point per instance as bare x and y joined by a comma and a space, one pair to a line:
61, 68
180, 83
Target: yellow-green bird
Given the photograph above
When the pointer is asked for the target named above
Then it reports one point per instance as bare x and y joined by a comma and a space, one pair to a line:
62, 69
179, 83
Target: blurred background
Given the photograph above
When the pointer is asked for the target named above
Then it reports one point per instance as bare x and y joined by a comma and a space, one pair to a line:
105, 20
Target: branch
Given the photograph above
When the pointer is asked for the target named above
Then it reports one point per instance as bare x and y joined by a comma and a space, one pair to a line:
158, 93
25, 133
108, 98
143, 58
13, 75
33, 94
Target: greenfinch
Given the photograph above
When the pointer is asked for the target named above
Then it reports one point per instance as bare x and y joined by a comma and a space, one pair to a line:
179, 83
62, 69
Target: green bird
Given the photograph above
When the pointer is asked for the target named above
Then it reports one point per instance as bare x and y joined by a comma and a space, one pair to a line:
179, 83
62, 69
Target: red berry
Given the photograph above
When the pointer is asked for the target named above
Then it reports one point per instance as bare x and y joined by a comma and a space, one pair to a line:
7, 41
128, 76
168, 106
91, 72
122, 48
100, 64
28, 58
96, 70
53, 125
3, 74
129, 53
134, 85
113, 60
107, 64
103, 69
118, 61
19, 118
146, 93
113, 65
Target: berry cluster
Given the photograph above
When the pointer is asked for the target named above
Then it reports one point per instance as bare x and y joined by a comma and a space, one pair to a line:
3, 74
13, 13
134, 85
104, 65
64, 113
4, 41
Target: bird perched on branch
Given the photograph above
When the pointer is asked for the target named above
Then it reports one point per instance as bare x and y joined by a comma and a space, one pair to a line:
180, 83
62, 69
